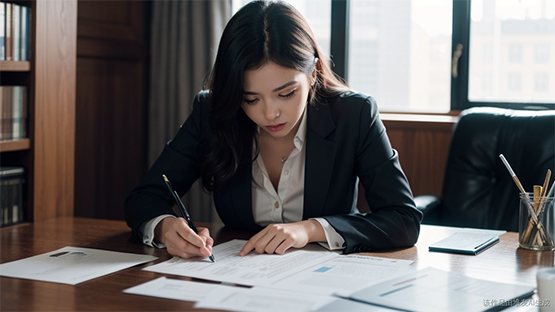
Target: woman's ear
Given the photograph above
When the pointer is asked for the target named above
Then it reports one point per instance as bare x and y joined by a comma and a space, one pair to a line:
315, 71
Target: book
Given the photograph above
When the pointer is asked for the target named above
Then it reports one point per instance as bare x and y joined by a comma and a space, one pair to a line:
16, 114
24, 45
8, 28
12, 180
16, 32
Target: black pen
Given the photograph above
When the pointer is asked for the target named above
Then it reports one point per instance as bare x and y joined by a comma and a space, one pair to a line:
183, 209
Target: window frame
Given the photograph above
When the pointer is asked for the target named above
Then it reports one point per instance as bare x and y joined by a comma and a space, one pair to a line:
339, 46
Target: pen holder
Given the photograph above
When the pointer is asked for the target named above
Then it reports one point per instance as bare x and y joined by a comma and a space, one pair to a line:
536, 228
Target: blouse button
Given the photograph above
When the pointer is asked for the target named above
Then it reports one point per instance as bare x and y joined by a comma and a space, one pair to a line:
286, 172
276, 205
336, 244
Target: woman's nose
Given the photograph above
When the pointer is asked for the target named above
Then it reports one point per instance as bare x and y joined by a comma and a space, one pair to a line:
272, 111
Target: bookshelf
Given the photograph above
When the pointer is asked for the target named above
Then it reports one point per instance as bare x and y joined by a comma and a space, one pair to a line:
48, 154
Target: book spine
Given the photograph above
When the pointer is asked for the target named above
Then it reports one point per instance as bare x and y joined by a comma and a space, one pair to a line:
2, 31
16, 118
24, 33
9, 113
3, 202
19, 198
2, 113
24, 111
8, 26
16, 38
7, 205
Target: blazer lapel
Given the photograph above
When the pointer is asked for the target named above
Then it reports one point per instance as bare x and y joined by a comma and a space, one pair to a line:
320, 157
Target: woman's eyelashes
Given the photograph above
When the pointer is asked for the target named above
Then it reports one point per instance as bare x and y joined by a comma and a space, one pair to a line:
249, 102
289, 94
284, 96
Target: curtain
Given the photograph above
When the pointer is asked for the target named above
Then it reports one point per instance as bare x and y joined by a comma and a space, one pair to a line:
184, 41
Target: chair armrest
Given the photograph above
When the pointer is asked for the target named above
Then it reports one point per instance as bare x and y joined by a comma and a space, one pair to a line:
429, 205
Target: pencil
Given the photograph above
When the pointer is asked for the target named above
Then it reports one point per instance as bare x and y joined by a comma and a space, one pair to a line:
512, 173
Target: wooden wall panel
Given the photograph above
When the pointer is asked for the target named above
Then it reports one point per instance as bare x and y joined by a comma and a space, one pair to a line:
423, 147
116, 20
53, 107
111, 105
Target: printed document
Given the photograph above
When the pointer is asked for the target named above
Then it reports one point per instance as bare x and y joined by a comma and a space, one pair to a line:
431, 289
344, 274
72, 265
251, 270
311, 269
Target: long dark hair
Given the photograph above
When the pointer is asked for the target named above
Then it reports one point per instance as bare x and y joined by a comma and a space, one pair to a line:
260, 32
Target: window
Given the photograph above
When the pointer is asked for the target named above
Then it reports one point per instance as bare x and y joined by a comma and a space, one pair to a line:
541, 53
400, 53
515, 53
521, 33
541, 82
514, 82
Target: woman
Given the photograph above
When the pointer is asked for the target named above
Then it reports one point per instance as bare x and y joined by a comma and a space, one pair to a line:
281, 144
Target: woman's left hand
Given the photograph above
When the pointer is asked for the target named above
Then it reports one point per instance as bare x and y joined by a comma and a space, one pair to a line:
277, 238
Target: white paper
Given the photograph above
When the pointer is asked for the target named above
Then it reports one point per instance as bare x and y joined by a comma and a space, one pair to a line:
251, 270
344, 274
436, 290
72, 265
310, 270
176, 289
263, 299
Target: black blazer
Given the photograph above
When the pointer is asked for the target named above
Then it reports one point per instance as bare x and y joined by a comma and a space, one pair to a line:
345, 139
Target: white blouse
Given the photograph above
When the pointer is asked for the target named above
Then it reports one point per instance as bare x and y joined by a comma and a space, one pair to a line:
285, 205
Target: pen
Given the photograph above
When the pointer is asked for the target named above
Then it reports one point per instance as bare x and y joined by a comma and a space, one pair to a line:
183, 209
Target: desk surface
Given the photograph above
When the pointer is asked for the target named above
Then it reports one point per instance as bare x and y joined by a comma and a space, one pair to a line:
503, 262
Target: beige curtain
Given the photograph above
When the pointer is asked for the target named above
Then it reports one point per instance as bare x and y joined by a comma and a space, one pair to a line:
184, 41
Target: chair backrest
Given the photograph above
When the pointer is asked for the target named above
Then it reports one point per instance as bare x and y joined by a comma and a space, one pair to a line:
478, 190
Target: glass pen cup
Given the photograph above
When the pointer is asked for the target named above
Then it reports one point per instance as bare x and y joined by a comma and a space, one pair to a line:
536, 225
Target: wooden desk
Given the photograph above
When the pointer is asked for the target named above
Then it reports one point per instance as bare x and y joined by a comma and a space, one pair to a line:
504, 262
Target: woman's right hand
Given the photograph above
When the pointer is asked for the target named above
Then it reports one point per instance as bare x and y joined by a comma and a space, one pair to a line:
181, 240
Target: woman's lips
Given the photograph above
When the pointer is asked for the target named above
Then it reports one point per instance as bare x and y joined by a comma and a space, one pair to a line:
276, 128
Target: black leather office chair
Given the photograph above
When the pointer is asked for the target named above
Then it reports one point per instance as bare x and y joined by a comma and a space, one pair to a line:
478, 191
